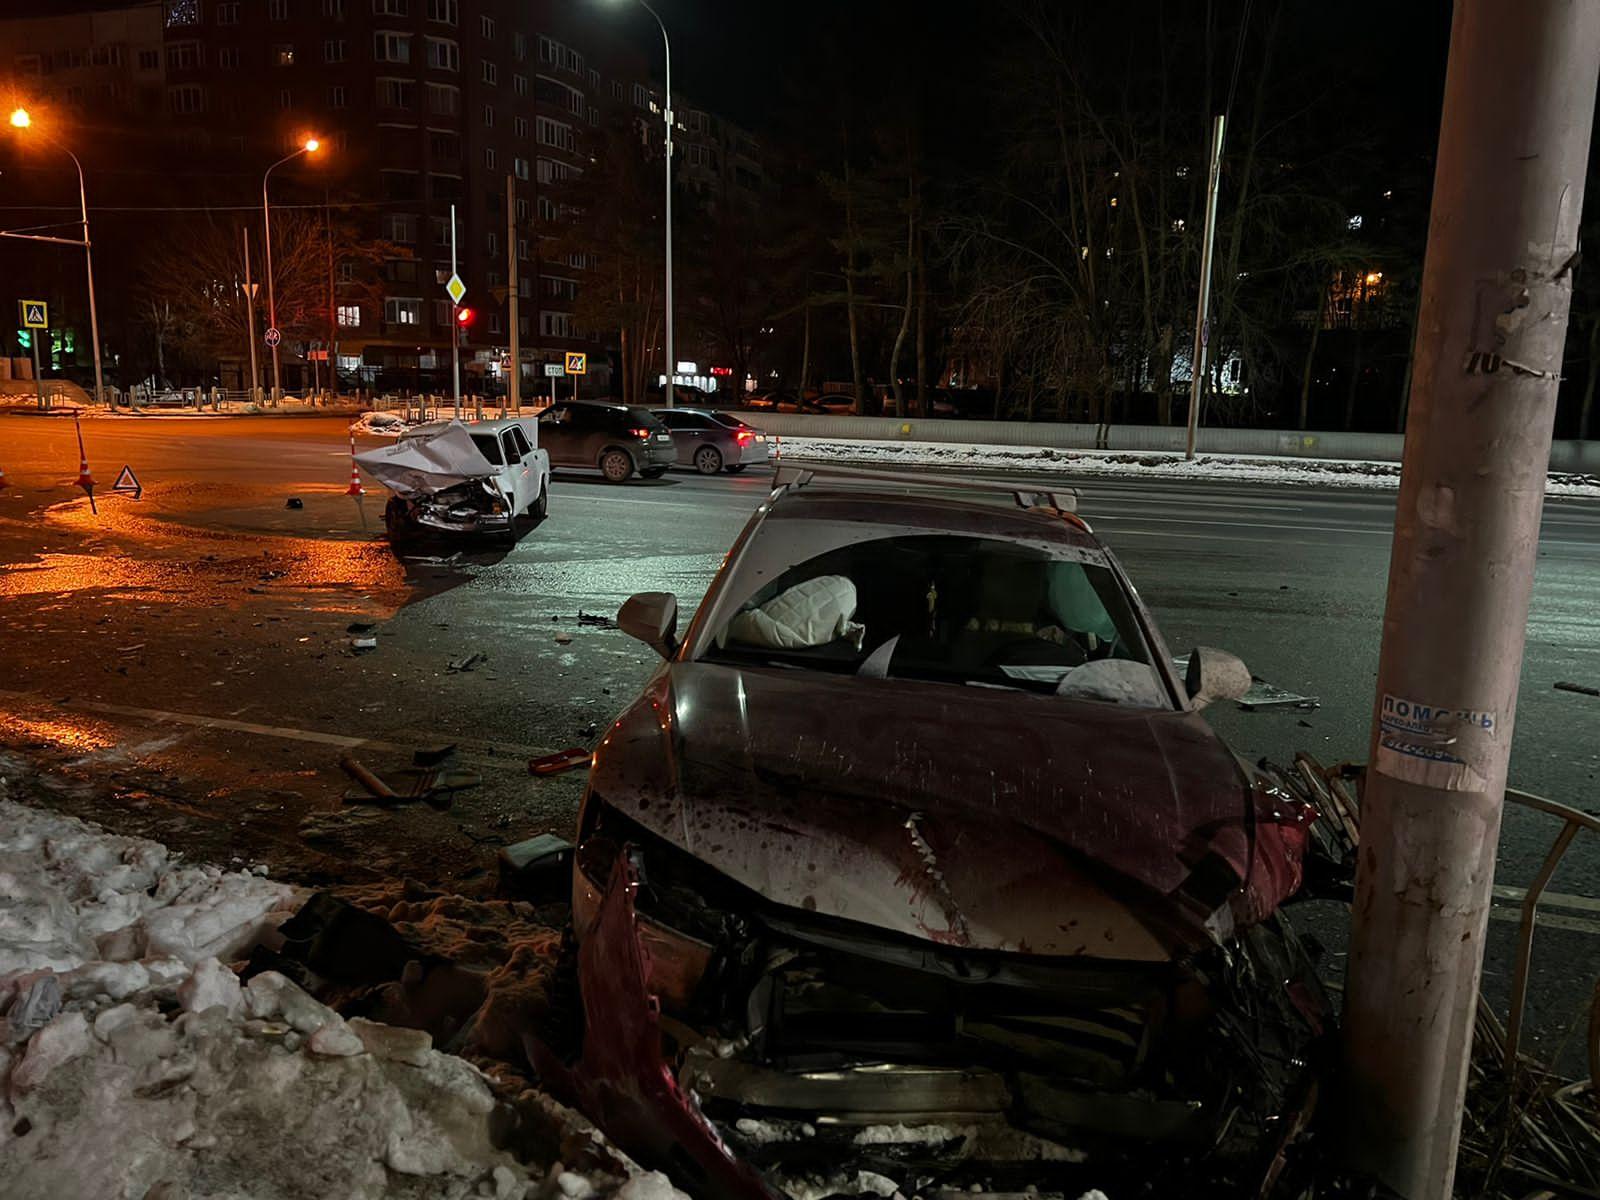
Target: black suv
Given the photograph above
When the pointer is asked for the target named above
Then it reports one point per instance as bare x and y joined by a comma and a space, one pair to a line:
618, 439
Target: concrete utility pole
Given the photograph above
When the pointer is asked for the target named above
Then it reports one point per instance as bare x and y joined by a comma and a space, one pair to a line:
455, 325
514, 388
1496, 289
1199, 360
250, 320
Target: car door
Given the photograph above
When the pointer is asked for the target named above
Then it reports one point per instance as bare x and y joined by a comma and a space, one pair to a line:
518, 488
558, 435
683, 441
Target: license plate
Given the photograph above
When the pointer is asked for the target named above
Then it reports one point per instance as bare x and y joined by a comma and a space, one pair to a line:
663, 437
760, 438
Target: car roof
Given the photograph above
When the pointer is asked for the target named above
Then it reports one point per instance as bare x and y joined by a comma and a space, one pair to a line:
999, 517
494, 426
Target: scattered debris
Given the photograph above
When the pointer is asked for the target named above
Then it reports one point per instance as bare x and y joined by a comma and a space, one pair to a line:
1582, 689
432, 786
470, 662
563, 639
362, 644
432, 756
294, 502
540, 868
360, 627
596, 620
561, 762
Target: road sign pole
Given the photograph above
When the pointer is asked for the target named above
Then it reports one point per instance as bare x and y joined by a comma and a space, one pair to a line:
1198, 359
38, 379
250, 318
1514, 137
455, 322
514, 388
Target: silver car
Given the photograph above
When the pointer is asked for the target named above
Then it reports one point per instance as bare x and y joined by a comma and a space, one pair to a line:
711, 441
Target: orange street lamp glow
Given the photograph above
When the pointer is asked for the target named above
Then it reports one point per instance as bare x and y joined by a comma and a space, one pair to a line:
20, 118
312, 145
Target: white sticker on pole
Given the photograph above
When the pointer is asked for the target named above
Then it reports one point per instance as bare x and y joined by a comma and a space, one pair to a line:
1433, 745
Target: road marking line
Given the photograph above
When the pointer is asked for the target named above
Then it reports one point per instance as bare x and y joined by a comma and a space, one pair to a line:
1551, 899
506, 754
1547, 921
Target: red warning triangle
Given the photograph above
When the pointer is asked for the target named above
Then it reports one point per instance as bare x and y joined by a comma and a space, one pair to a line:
127, 481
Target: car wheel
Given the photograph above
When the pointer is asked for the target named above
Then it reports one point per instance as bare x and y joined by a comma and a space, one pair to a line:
616, 466
540, 508
708, 460
736, 468
396, 521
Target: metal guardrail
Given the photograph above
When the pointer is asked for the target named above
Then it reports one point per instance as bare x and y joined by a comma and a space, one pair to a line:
1342, 808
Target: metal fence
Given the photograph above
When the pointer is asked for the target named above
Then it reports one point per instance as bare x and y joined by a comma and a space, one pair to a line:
1572, 456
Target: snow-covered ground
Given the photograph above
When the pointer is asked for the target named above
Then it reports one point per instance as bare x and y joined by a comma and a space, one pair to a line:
134, 1065
1128, 465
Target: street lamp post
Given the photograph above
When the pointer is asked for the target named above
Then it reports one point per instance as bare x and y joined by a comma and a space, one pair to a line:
666, 45
20, 119
310, 147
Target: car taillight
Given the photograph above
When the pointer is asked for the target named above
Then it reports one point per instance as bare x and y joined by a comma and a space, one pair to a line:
642, 434
744, 437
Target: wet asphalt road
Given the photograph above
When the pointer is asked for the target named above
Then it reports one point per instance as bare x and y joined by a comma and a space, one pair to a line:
129, 636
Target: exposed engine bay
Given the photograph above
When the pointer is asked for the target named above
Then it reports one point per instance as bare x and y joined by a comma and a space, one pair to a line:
796, 1042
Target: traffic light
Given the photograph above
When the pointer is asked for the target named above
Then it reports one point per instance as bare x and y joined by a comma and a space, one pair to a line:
465, 317
25, 340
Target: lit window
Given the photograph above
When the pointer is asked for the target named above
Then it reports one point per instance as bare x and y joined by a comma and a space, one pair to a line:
402, 311
283, 56
1354, 223
349, 315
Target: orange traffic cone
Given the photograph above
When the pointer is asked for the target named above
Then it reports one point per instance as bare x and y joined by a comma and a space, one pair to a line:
85, 479
355, 481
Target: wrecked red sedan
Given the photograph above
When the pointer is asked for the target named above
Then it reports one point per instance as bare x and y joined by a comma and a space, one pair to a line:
915, 865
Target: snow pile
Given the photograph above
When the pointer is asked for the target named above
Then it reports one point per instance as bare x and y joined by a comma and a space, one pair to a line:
1353, 473
134, 1064
379, 424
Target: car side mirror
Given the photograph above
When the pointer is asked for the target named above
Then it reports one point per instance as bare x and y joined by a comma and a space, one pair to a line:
1214, 675
652, 618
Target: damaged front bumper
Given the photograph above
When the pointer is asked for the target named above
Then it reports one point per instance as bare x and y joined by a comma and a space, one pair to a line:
472, 507
723, 1032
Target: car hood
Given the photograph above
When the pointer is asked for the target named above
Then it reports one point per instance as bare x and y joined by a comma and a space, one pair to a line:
428, 462
970, 816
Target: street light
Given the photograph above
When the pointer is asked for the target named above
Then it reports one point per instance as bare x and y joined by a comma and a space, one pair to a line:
671, 363
310, 146
22, 119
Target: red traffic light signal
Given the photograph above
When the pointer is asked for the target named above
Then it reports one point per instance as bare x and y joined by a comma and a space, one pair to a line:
465, 317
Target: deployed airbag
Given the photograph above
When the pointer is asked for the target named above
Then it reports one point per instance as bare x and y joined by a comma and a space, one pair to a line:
809, 614
427, 460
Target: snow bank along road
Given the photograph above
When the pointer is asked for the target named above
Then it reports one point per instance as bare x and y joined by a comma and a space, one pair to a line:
133, 1064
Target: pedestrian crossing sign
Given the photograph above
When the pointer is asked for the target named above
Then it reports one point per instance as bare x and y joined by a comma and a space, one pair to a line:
35, 314
577, 364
